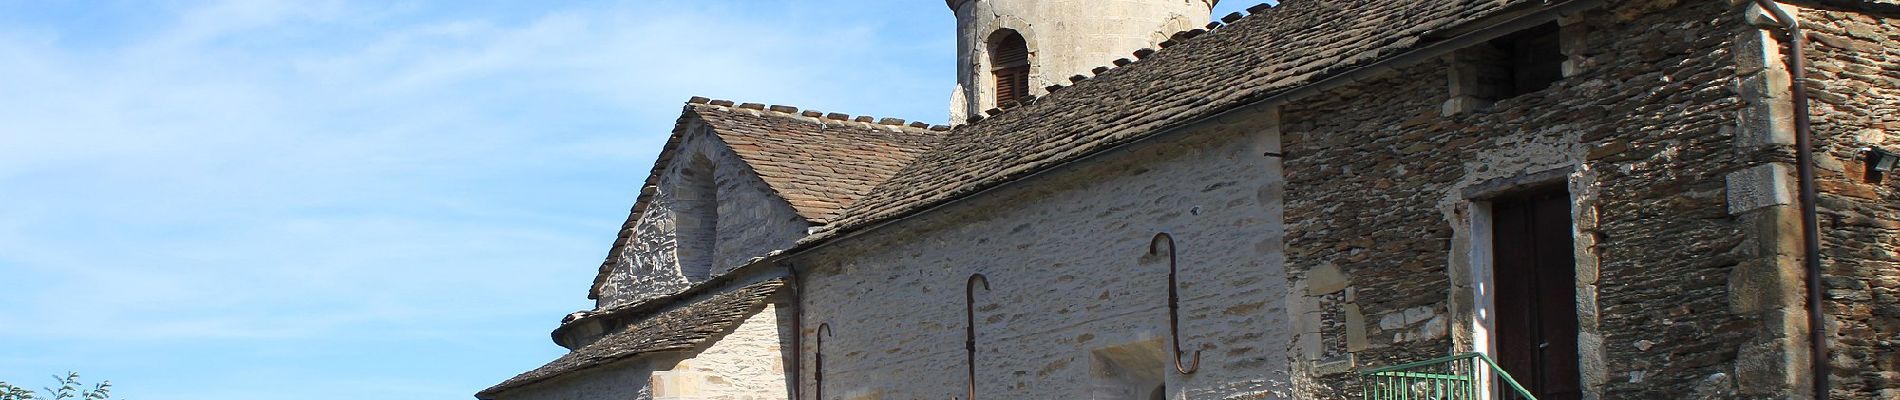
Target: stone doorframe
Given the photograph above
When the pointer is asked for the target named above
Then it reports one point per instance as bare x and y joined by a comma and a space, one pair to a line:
1470, 264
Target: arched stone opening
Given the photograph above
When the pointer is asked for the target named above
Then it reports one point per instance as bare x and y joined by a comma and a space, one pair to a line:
696, 218
1009, 67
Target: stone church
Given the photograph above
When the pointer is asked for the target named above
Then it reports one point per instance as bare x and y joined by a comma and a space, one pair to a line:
1320, 199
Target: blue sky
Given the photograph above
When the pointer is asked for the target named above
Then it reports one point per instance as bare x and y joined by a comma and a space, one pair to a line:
369, 199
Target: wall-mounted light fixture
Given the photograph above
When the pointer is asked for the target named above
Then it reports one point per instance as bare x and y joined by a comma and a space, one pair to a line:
1879, 162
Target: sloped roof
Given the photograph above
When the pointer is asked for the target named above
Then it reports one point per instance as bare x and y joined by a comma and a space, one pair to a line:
819, 162
1271, 52
820, 165
682, 328
953, 3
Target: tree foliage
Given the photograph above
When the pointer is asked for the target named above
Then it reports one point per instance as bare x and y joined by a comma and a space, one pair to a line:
69, 388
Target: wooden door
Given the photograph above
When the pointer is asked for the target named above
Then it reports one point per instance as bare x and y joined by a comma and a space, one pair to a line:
1535, 302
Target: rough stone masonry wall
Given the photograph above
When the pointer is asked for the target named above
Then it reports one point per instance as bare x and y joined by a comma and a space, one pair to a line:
747, 364
1854, 70
1074, 295
752, 220
1644, 131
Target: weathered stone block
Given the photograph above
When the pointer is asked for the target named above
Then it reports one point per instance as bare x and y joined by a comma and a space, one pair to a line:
676, 385
1325, 279
1760, 186
1764, 283
1355, 329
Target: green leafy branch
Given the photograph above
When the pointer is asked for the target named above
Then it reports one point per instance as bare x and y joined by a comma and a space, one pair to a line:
69, 388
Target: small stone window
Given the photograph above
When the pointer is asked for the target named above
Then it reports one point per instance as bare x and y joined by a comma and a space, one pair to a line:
696, 218
1510, 66
1535, 59
1009, 65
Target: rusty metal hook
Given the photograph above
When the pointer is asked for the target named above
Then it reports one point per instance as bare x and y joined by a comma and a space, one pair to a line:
969, 327
1174, 303
818, 360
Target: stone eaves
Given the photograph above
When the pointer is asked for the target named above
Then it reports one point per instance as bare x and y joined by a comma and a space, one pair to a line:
1201, 74
682, 328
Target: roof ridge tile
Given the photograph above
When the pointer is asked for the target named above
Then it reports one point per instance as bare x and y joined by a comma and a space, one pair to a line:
821, 116
1231, 17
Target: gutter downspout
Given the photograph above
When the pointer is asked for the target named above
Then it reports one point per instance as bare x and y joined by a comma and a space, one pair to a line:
798, 330
1804, 167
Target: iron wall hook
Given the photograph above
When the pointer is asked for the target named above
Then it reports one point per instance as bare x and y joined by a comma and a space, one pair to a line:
969, 327
818, 360
1174, 303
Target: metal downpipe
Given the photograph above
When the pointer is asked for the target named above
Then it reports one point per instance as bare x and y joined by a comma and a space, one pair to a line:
1804, 167
798, 331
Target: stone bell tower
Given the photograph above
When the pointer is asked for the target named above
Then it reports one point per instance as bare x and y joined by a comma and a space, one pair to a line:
1010, 49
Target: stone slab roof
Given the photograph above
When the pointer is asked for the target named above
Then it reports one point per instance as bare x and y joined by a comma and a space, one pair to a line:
1270, 52
954, 3
682, 328
819, 162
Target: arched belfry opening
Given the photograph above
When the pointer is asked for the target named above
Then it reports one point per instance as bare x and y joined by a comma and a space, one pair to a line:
1008, 51
1009, 66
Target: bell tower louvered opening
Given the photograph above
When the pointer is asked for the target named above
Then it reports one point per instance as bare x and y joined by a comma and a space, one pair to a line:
1009, 64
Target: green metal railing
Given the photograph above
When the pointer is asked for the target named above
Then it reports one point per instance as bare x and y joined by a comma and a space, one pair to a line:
1469, 376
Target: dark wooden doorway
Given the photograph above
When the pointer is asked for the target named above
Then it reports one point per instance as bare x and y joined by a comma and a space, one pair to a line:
1534, 276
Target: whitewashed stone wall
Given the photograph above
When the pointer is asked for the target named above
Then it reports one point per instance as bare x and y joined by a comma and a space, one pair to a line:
753, 220
747, 364
1066, 38
1075, 293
